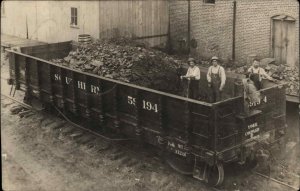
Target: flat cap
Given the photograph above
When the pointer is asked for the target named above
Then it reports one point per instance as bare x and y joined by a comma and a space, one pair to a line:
191, 60
214, 58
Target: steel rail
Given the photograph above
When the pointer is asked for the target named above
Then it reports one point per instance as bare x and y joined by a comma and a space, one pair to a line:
275, 180
20, 102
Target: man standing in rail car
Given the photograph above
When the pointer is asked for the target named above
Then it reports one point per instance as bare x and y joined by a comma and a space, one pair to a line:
256, 74
216, 78
193, 77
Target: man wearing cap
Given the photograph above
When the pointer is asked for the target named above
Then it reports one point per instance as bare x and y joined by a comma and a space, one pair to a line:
216, 78
193, 75
256, 74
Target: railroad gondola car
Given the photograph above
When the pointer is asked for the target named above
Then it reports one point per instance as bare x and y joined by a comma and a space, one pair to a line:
195, 137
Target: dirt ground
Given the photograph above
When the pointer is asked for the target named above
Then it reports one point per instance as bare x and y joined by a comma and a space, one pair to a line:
42, 152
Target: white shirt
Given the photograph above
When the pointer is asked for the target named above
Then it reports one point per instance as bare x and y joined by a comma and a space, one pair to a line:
262, 73
193, 72
214, 70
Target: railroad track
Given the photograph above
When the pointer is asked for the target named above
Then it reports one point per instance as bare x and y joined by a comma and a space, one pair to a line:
119, 149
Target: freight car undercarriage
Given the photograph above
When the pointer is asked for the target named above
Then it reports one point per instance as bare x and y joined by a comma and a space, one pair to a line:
195, 137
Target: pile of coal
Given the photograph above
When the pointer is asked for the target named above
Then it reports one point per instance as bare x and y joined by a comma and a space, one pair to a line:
286, 74
291, 77
126, 61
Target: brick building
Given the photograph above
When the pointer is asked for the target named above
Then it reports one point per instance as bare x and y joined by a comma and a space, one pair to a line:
266, 28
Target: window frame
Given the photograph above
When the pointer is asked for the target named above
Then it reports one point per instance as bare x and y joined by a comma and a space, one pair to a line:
207, 3
74, 17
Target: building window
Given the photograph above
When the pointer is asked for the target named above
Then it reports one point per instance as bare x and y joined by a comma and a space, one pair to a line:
209, 1
2, 9
74, 16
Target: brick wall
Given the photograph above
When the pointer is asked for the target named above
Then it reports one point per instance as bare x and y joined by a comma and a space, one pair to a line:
211, 26
178, 21
254, 21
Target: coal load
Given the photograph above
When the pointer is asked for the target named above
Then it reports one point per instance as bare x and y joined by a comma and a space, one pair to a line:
286, 74
126, 61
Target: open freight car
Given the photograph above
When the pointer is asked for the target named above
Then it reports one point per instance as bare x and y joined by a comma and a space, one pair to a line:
195, 137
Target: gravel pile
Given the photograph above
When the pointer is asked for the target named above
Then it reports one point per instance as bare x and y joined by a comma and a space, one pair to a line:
127, 61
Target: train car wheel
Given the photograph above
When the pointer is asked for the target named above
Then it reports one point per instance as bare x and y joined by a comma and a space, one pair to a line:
215, 174
179, 164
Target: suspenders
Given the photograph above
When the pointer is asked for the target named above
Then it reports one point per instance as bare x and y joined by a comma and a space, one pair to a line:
218, 71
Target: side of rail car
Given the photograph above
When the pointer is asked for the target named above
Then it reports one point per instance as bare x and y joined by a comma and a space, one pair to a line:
192, 130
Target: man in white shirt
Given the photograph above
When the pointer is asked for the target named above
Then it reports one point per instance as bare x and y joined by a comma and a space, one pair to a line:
193, 75
256, 74
216, 78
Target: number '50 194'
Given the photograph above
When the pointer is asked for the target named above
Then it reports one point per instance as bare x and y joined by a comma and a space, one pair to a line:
146, 104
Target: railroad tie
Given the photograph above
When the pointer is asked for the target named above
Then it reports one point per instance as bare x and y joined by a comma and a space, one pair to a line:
45, 122
115, 150
100, 147
23, 113
57, 125
85, 139
91, 149
16, 109
132, 162
125, 160
117, 156
29, 114
67, 130
76, 135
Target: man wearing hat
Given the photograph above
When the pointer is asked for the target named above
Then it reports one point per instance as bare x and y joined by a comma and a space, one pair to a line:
216, 78
256, 74
193, 77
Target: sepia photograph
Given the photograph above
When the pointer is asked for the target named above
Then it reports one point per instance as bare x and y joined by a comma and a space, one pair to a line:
150, 95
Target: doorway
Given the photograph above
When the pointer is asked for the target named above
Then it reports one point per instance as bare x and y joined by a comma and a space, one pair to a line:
284, 40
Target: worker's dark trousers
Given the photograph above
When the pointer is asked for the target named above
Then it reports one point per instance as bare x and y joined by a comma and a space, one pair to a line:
216, 94
257, 82
194, 89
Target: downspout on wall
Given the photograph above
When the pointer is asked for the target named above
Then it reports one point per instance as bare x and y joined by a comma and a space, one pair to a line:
233, 30
27, 35
168, 44
99, 21
189, 28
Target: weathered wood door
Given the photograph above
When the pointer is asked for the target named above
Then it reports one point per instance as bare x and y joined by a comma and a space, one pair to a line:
284, 40
143, 19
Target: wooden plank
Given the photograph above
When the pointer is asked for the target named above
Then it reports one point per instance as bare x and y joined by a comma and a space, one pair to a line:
107, 17
130, 17
135, 21
147, 18
140, 18
102, 25
157, 20
291, 40
164, 20
119, 16
125, 14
